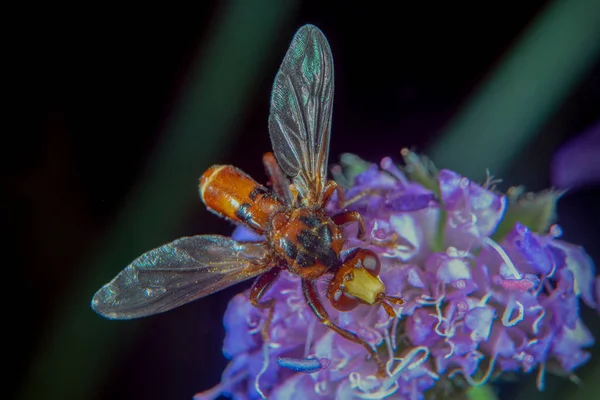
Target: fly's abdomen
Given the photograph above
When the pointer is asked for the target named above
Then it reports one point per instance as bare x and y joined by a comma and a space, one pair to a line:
232, 194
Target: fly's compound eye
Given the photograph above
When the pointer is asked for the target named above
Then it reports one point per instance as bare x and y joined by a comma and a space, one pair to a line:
357, 281
340, 300
336, 292
369, 260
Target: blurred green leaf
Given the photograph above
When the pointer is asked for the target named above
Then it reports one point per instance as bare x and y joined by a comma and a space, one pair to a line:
506, 112
482, 392
537, 211
79, 346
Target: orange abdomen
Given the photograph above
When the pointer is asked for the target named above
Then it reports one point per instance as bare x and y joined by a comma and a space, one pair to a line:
232, 194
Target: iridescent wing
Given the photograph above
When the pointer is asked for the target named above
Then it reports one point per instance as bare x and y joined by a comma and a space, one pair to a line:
177, 273
301, 105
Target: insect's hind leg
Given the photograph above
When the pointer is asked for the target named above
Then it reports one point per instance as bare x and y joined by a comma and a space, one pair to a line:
312, 298
279, 181
260, 286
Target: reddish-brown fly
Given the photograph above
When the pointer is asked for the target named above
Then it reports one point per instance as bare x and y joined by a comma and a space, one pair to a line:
300, 236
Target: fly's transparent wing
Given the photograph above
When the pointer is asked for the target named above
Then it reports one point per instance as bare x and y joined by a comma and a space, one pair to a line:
177, 273
301, 105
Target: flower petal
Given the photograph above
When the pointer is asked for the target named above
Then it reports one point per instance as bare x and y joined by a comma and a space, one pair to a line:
471, 207
479, 321
582, 267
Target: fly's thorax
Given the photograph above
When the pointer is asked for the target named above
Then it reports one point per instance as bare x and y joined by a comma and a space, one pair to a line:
230, 193
356, 281
308, 240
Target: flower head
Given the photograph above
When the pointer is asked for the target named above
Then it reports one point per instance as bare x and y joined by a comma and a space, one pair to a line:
488, 288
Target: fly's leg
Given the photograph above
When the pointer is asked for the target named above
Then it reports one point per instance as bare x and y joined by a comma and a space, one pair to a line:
346, 217
330, 188
260, 286
279, 181
387, 302
359, 196
312, 298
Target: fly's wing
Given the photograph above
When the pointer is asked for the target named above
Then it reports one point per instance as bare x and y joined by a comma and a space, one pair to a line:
177, 273
301, 105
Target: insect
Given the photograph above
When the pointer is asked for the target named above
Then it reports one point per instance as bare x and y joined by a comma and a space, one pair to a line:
306, 365
299, 235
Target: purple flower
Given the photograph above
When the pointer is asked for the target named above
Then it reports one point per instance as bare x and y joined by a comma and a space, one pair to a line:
485, 292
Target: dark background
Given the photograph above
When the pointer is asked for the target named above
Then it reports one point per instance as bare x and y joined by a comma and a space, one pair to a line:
97, 91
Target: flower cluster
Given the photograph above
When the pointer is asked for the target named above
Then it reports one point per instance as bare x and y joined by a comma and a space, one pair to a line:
488, 289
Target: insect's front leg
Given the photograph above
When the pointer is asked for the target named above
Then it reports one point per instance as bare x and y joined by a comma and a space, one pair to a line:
312, 298
330, 188
279, 181
260, 286
346, 217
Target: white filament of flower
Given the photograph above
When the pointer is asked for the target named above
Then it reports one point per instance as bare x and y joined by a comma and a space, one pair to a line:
552, 271
426, 300
450, 329
390, 386
541, 286
295, 303
385, 323
406, 362
364, 386
452, 347
265, 350
539, 379
394, 329
309, 336
483, 301
354, 378
388, 344
321, 387
345, 357
254, 325
504, 256
539, 318
483, 379
490, 181
508, 310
